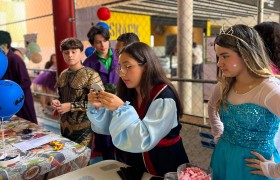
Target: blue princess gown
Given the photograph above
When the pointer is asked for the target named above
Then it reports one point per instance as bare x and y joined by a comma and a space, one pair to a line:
246, 127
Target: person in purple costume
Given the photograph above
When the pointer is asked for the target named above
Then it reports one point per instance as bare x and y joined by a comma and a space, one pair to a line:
104, 61
47, 80
17, 72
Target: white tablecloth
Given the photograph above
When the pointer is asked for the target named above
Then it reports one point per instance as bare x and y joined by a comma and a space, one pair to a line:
103, 170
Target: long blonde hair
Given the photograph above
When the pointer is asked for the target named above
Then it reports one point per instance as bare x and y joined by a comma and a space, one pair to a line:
246, 42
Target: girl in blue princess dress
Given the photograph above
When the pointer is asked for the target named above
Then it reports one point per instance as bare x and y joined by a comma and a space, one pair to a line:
243, 108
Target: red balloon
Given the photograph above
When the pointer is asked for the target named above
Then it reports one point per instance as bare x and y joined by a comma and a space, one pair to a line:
103, 13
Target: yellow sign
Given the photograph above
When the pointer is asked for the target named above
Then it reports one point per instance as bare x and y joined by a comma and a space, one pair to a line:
208, 32
120, 23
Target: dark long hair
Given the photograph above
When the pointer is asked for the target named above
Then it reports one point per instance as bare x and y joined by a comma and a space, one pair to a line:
270, 33
50, 62
94, 30
247, 43
153, 74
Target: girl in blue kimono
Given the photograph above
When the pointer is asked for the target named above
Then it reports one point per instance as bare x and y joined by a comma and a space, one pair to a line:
243, 108
143, 119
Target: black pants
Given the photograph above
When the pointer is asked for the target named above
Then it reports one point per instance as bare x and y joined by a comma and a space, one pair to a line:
197, 71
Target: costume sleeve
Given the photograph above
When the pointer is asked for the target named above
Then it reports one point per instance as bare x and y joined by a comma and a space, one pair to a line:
271, 169
129, 133
271, 96
22, 74
217, 126
100, 119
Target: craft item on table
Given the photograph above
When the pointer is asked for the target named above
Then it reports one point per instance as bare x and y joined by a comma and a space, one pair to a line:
191, 172
27, 131
26, 136
7, 160
56, 145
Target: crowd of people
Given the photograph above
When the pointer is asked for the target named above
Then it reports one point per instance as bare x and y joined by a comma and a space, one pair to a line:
139, 123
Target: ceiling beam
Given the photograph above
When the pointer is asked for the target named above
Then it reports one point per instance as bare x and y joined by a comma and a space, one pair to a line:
214, 9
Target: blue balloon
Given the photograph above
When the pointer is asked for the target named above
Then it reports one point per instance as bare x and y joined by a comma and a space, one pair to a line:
103, 24
89, 51
11, 98
3, 64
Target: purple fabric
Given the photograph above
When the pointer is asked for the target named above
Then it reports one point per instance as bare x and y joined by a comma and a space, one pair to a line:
107, 77
17, 72
47, 79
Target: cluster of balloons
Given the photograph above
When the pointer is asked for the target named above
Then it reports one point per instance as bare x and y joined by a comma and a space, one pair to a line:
103, 14
33, 54
11, 96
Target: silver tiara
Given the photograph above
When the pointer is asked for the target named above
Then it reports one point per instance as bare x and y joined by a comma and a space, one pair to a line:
230, 33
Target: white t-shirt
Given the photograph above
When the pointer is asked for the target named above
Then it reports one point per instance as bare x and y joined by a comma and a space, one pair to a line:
197, 55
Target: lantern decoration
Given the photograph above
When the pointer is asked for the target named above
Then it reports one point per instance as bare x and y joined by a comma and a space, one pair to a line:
33, 54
